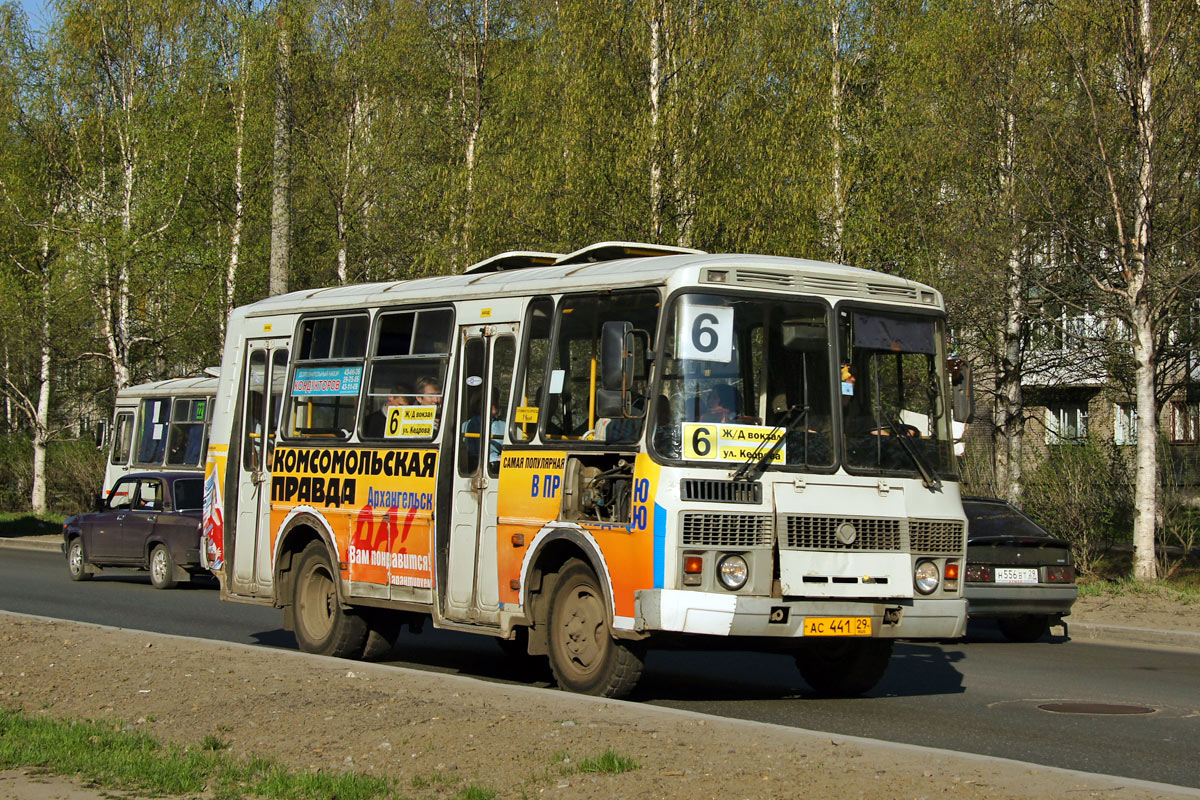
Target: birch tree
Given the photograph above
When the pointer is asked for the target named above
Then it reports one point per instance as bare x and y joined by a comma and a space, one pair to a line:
1125, 141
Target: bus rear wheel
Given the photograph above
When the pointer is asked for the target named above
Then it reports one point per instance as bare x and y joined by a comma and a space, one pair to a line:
844, 667
323, 625
584, 656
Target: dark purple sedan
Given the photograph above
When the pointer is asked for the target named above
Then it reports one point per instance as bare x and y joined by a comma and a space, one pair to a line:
148, 521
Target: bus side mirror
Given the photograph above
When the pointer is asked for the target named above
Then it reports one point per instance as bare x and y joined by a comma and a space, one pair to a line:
616, 356
614, 397
610, 404
962, 391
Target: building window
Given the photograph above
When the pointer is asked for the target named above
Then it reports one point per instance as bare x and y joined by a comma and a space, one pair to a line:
1185, 422
1125, 424
1066, 423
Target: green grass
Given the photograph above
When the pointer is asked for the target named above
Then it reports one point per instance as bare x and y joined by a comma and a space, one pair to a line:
1185, 592
476, 792
14, 524
610, 762
135, 761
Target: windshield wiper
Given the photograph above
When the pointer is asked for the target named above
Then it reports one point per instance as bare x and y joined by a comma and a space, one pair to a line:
928, 476
752, 469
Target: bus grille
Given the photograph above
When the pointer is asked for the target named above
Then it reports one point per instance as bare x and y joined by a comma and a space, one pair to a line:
936, 536
728, 530
820, 533
898, 292
762, 277
722, 491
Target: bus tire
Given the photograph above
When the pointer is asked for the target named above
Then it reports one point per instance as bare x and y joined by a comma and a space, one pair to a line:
844, 667
383, 629
323, 625
584, 656
76, 564
162, 568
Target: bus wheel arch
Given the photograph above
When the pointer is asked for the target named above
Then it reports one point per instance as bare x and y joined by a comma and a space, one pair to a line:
552, 553
296, 536
324, 624
584, 654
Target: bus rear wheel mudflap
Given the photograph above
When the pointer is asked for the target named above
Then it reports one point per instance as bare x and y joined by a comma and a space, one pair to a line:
323, 625
842, 667
584, 656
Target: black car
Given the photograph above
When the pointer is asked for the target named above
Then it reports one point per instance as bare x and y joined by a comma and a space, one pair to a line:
1017, 573
148, 521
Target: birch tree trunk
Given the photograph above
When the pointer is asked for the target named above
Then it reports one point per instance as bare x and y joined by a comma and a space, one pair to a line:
41, 420
239, 190
835, 132
1009, 398
656, 170
1141, 313
281, 177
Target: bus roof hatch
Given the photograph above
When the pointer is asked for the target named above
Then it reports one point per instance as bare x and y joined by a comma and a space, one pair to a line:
611, 251
514, 259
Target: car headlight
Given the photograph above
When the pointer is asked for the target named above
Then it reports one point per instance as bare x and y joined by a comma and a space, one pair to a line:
733, 572
925, 576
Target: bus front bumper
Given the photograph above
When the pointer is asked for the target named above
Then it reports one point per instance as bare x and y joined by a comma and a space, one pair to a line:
717, 614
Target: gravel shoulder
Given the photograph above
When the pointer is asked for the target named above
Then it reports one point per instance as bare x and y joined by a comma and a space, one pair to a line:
446, 732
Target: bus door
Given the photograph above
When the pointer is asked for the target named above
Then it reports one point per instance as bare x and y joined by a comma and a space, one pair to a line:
485, 380
262, 392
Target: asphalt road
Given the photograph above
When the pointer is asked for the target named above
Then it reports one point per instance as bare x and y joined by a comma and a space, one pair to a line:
981, 695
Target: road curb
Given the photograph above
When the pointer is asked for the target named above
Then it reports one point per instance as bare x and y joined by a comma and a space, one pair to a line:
51, 543
1126, 635
1079, 630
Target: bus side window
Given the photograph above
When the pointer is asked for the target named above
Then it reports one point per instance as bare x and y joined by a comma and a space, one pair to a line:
524, 420
323, 402
152, 439
569, 407
122, 439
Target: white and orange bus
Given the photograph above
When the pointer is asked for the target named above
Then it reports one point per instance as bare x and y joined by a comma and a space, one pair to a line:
161, 425
584, 455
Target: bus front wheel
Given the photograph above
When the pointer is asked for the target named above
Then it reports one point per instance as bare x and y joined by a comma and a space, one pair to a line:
584, 656
323, 625
844, 667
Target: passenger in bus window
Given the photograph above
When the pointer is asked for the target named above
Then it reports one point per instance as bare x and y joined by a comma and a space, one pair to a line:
429, 392
376, 422
496, 442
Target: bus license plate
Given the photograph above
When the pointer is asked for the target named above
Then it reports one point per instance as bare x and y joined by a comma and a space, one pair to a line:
837, 626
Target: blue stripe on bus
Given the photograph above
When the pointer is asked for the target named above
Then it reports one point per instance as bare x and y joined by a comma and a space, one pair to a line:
660, 546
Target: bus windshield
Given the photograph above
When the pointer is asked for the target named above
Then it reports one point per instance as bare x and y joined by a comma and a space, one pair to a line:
892, 385
734, 367
745, 378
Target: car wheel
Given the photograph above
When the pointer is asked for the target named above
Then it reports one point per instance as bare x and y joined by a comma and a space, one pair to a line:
323, 625
76, 564
844, 668
584, 656
1026, 628
162, 568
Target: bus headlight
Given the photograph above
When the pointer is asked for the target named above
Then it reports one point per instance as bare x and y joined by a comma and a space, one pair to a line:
925, 576
733, 572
